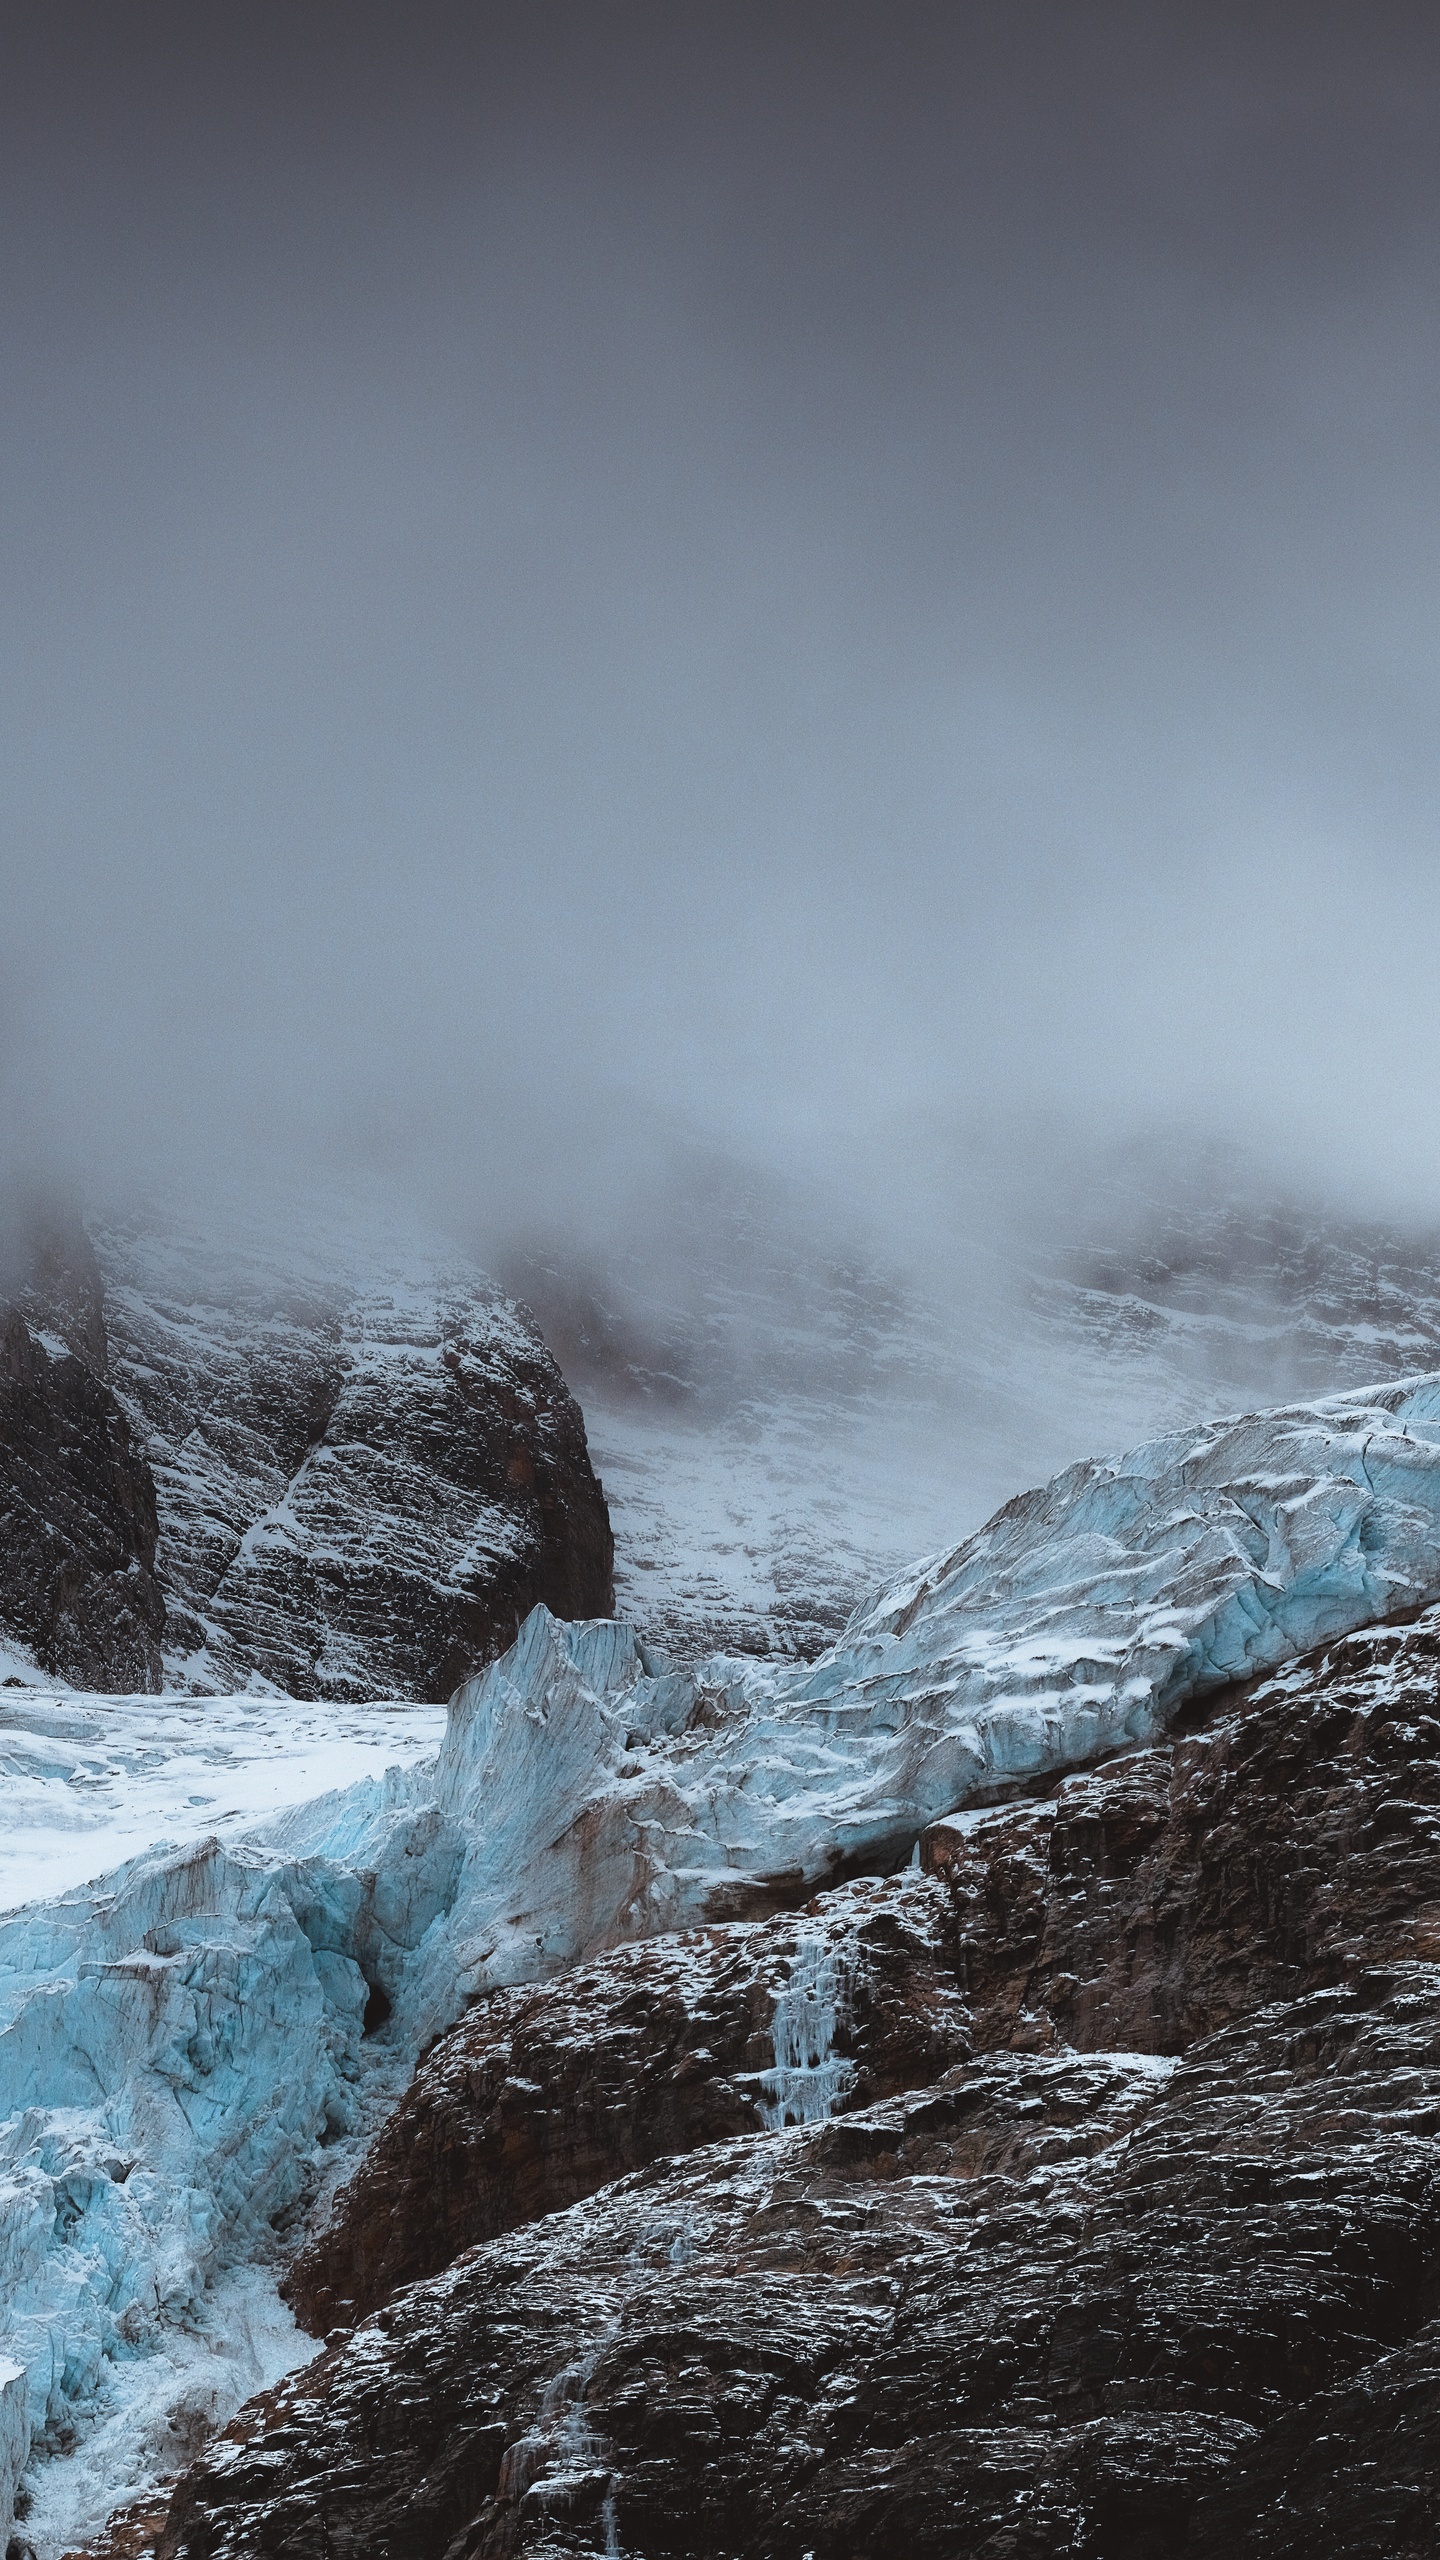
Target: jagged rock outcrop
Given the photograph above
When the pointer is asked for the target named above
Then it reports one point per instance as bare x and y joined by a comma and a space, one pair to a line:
541, 2096
347, 1467
1149, 2265
369, 1468
78, 1589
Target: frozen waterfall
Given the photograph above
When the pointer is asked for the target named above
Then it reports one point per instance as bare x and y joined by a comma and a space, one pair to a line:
809, 2075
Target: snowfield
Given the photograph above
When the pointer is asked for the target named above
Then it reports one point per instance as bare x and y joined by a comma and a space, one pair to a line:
184, 2053
786, 1406
91, 1780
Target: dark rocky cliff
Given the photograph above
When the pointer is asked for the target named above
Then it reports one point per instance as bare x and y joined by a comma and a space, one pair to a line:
78, 1525
368, 1466
342, 1467
1124, 2240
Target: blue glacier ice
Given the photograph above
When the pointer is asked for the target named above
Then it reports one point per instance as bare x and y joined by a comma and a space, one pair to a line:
600, 1795
182, 2043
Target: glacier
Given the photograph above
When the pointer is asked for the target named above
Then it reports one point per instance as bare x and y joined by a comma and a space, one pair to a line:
602, 1794
191, 2046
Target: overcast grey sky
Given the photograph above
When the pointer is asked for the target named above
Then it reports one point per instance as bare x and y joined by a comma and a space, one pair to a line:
784, 566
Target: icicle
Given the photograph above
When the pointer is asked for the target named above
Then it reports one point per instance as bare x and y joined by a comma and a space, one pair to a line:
808, 2076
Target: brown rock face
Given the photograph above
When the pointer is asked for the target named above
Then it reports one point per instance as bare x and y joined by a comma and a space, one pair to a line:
1284, 1845
1124, 2243
542, 2096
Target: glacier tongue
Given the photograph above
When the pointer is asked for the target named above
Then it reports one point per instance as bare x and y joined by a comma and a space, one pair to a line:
179, 2042
601, 1795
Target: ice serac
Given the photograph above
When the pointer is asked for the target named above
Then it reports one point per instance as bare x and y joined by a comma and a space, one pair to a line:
176, 2045
602, 1795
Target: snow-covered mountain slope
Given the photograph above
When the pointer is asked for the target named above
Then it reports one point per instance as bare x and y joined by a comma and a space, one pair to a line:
786, 1403
779, 1418
180, 2043
1230, 1295
367, 1465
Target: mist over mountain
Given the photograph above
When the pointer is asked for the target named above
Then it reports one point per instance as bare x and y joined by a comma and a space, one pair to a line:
719, 1280
732, 568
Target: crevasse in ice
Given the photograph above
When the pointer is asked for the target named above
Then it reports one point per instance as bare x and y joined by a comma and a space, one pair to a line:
178, 2040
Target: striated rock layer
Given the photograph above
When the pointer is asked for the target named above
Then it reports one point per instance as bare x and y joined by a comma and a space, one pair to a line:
1113, 2228
541, 2096
368, 1466
344, 1467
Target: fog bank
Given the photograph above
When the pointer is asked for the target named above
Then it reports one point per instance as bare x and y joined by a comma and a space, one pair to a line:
595, 580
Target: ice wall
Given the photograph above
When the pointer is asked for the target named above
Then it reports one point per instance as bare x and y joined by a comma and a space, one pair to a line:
179, 2043
601, 1795
14, 2439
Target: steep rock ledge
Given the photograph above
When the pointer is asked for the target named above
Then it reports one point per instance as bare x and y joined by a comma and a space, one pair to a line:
344, 1466
78, 1590
1152, 2264
542, 2096
369, 1468
1063, 2300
